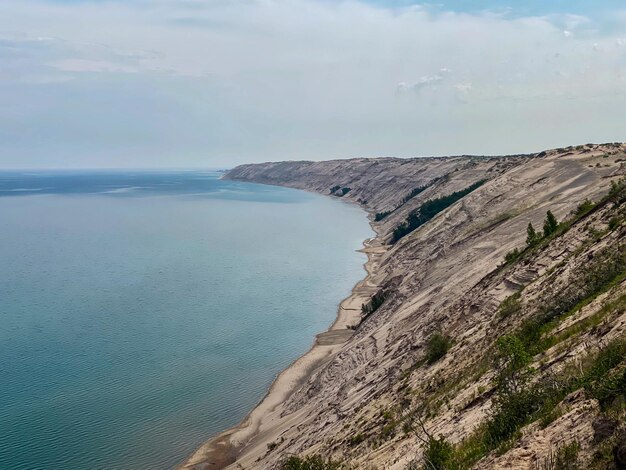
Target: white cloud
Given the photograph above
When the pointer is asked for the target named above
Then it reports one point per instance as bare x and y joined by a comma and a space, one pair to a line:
258, 79
92, 66
463, 91
423, 82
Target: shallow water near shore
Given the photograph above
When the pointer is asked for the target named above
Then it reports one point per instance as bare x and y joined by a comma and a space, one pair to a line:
142, 312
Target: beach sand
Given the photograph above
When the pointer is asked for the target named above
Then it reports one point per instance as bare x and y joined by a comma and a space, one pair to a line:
249, 438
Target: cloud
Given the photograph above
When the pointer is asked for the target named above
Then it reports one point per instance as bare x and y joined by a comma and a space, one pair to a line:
420, 84
463, 91
223, 82
91, 66
426, 81
42, 59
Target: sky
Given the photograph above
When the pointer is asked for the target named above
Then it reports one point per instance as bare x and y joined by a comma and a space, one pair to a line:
215, 83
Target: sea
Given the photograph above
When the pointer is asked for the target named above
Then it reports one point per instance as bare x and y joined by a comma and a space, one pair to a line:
142, 312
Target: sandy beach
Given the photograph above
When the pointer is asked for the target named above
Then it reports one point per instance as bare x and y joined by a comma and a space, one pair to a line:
224, 449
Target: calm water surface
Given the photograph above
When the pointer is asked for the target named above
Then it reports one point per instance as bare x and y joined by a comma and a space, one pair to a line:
141, 312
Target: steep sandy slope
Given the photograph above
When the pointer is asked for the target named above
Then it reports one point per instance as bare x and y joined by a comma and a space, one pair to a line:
377, 396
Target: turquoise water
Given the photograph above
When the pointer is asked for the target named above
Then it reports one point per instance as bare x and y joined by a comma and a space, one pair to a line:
140, 313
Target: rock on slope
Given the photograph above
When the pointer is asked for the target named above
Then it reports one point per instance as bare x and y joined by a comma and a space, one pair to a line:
384, 397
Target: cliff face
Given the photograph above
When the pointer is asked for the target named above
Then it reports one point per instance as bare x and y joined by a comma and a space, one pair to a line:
430, 364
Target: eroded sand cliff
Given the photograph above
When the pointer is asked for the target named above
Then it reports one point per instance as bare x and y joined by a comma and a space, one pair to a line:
358, 394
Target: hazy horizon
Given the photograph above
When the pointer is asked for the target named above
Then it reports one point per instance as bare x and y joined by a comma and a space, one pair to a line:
227, 168
206, 83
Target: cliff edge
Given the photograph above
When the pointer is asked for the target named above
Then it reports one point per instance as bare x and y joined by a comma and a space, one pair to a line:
476, 341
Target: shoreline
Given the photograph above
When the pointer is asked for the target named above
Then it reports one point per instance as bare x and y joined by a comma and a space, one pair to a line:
223, 449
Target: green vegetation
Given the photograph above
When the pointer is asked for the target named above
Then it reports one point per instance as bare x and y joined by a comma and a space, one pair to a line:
416, 191
532, 238
592, 321
512, 256
520, 398
312, 462
601, 377
339, 191
607, 268
437, 347
381, 215
389, 426
616, 190
550, 225
519, 402
430, 209
438, 454
388, 430
374, 304
356, 440
565, 458
511, 363
420, 189
515, 401
602, 381
550, 229
584, 208
510, 306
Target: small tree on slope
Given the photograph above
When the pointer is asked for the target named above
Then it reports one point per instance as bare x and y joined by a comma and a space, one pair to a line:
550, 225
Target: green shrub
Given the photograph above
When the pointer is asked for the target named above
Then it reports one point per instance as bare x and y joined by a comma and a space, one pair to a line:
532, 237
374, 304
518, 403
512, 411
530, 333
437, 347
356, 439
550, 225
592, 321
420, 189
339, 191
415, 192
584, 208
550, 416
512, 256
511, 363
430, 209
312, 462
616, 188
510, 306
438, 455
381, 215
514, 402
602, 380
388, 430
586, 282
